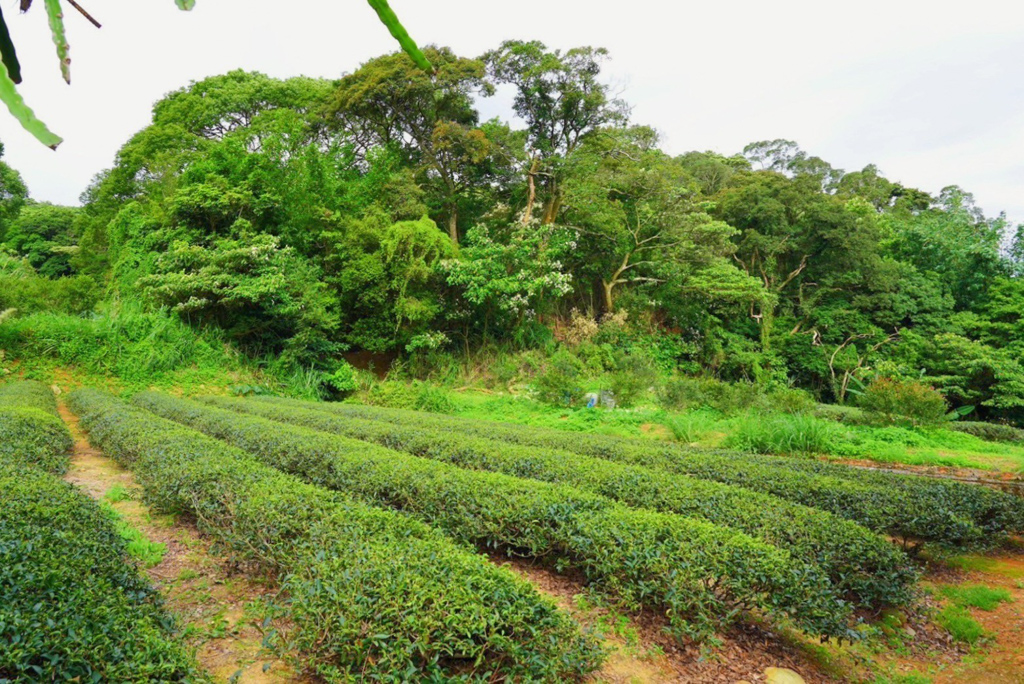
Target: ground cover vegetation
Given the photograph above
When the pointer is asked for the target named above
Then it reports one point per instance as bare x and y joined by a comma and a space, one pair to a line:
436, 610
72, 604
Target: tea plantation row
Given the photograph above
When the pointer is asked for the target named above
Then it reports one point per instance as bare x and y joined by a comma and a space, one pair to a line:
72, 605
913, 508
698, 574
864, 567
373, 594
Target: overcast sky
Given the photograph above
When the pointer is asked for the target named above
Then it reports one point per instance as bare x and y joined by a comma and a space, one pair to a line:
930, 91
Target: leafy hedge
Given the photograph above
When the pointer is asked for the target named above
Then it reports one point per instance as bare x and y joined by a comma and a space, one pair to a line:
72, 604
373, 594
993, 432
699, 574
905, 506
31, 432
863, 566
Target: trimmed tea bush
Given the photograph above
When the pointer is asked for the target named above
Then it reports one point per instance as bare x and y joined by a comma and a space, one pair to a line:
993, 432
72, 604
31, 432
373, 594
908, 507
863, 566
698, 574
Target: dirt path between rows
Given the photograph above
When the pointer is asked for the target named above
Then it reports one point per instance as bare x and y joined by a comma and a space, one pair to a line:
1002, 661
641, 650
217, 607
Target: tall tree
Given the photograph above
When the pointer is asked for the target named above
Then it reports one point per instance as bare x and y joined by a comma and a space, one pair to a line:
389, 101
634, 208
953, 240
561, 99
13, 193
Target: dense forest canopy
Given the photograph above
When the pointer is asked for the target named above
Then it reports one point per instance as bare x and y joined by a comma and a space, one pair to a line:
305, 218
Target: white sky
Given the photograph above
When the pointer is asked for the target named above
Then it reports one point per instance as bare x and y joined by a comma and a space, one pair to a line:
930, 91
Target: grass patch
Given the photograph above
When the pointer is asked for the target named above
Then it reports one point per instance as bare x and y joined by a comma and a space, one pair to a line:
976, 596
147, 552
117, 493
962, 627
783, 434
928, 446
525, 411
759, 432
975, 563
909, 678
690, 427
188, 574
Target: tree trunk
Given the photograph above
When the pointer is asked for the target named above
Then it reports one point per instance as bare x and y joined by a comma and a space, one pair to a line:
609, 303
552, 207
453, 225
531, 197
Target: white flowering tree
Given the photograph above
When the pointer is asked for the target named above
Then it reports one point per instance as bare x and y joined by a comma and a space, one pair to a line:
510, 278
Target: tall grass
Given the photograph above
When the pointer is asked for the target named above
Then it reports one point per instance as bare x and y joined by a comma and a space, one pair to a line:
783, 434
690, 427
137, 348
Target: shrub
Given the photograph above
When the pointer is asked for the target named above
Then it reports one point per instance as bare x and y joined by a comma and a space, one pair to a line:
560, 383
419, 396
893, 401
860, 563
392, 394
30, 430
29, 293
783, 434
789, 400
905, 506
581, 328
646, 558
634, 374
850, 415
343, 381
72, 604
372, 593
684, 392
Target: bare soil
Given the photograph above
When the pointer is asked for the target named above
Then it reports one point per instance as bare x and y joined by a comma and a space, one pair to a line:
215, 605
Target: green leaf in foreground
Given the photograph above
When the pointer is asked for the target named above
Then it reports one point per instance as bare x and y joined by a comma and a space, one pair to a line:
390, 19
185, 4
8, 53
56, 17
23, 113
